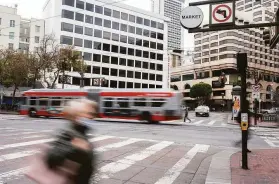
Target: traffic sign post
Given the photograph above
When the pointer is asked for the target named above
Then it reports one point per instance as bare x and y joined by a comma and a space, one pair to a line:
222, 14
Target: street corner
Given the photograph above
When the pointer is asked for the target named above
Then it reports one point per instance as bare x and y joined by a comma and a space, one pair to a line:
262, 167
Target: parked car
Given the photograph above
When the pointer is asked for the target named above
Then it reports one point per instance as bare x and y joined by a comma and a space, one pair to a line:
202, 111
270, 111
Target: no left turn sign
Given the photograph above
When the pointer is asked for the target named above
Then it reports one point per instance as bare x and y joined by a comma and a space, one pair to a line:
222, 13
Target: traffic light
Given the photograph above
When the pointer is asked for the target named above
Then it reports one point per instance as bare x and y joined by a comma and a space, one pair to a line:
266, 36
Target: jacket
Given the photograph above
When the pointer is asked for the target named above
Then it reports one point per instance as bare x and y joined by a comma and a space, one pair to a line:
62, 149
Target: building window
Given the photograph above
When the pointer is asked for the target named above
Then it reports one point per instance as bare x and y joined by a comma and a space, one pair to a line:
37, 39
97, 45
105, 59
98, 21
98, 9
123, 50
79, 29
87, 56
114, 48
160, 36
116, 14
97, 58
79, 17
122, 62
123, 39
67, 14
67, 27
131, 52
66, 40
37, 29
132, 18
88, 31
131, 40
88, 44
106, 47
89, 7
138, 53
69, 2
139, 42
123, 27
139, 31
107, 23
146, 22
78, 42
97, 33
107, 12
124, 16
115, 37
11, 35
106, 35
114, 60
153, 24
88, 19
80, 4
139, 20
146, 32
11, 46
115, 25
12, 23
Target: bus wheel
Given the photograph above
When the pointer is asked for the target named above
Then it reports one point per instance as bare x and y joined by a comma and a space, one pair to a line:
146, 116
32, 113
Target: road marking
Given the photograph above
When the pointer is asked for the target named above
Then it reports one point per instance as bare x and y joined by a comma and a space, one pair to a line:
120, 165
117, 145
17, 155
16, 145
198, 122
13, 174
270, 143
100, 138
176, 170
212, 122
32, 136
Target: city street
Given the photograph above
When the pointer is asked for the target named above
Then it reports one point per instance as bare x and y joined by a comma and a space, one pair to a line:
132, 152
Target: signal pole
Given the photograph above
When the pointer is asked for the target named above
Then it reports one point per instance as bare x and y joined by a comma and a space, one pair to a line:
242, 66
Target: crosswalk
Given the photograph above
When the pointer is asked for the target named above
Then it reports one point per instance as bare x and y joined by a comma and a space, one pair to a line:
269, 135
215, 120
120, 159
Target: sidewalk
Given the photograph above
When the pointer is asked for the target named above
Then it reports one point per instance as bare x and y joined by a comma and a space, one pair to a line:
263, 167
9, 112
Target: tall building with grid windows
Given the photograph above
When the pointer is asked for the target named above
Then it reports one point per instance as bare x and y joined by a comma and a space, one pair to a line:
125, 45
172, 10
215, 52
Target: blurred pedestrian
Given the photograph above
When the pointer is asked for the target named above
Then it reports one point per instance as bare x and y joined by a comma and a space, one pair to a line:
186, 115
72, 150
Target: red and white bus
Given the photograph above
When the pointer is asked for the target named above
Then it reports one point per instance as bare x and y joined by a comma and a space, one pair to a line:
150, 105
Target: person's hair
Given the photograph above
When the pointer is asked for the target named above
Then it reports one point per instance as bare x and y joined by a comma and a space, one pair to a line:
74, 107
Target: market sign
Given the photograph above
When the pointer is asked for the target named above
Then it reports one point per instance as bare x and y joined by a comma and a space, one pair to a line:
191, 17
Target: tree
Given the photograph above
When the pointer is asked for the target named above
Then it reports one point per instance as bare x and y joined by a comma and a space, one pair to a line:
14, 69
201, 92
53, 60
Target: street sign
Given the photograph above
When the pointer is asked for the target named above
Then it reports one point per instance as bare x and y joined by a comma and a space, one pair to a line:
256, 88
222, 13
236, 106
256, 95
191, 17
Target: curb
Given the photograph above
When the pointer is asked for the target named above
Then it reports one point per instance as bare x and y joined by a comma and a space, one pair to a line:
260, 126
219, 171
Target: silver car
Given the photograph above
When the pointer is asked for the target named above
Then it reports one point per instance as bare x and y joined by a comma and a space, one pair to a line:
202, 111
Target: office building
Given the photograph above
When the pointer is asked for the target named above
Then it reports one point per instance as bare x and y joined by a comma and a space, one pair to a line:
172, 10
215, 52
125, 45
18, 33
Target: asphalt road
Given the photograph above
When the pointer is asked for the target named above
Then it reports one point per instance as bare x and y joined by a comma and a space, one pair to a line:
155, 151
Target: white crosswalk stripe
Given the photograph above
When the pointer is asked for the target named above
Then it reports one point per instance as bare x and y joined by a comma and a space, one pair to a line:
143, 149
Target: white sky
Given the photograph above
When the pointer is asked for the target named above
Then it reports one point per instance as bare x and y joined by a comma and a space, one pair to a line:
33, 8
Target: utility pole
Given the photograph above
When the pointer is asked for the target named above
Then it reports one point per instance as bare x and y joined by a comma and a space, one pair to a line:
242, 67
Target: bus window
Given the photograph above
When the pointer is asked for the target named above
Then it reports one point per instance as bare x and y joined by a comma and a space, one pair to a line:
107, 103
157, 102
140, 102
43, 101
56, 101
33, 100
123, 102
